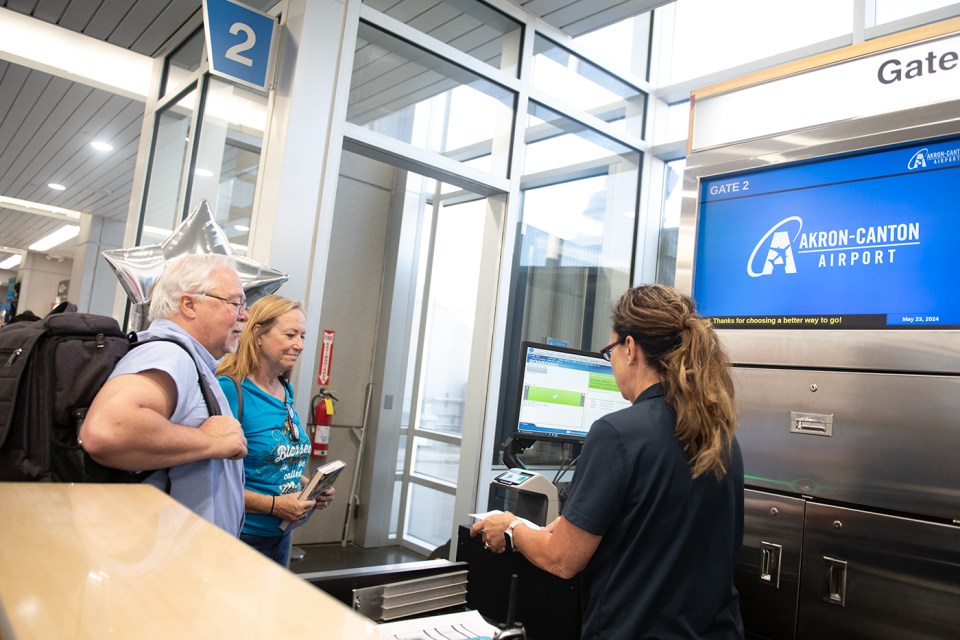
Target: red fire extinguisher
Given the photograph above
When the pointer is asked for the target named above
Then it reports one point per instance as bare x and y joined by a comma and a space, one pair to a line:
322, 412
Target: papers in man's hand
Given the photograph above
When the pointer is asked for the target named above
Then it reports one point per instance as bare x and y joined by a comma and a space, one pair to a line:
466, 625
487, 514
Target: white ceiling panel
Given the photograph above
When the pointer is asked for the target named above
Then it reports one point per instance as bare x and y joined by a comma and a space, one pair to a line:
577, 17
139, 25
46, 126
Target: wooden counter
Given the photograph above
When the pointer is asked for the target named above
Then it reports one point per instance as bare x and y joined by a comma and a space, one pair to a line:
127, 561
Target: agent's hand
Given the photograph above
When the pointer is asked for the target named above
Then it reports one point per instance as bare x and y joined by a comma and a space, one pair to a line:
287, 507
491, 530
325, 498
227, 441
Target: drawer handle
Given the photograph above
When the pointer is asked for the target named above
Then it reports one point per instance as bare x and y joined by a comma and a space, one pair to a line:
834, 581
770, 564
815, 424
804, 425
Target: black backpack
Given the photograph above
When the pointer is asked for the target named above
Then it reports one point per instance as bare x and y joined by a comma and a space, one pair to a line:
50, 371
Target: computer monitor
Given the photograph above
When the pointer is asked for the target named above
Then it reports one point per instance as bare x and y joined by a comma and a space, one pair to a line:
562, 393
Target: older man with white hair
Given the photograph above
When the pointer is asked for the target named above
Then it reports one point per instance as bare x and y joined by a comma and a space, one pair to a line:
151, 413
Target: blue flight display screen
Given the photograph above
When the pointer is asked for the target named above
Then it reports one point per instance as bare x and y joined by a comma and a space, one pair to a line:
858, 241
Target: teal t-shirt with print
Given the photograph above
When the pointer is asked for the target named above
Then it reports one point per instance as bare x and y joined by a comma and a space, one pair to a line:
275, 461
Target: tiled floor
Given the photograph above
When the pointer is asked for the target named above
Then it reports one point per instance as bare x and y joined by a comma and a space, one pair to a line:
333, 557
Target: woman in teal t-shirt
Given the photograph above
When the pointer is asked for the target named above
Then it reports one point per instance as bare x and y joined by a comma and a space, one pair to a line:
277, 445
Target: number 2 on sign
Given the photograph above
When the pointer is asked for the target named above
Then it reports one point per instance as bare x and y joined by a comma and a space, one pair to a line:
233, 53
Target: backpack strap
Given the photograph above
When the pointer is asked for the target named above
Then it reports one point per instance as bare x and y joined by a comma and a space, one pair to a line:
239, 387
209, 399
286, 386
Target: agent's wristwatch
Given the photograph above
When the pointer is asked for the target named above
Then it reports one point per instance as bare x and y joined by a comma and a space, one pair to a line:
509, 533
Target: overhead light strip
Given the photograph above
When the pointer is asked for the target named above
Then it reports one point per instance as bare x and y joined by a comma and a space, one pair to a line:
36, 207
53, 49
59, 236
11, 262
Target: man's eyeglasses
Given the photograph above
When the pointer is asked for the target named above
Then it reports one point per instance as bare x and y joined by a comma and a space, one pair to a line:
605, 352
240, 307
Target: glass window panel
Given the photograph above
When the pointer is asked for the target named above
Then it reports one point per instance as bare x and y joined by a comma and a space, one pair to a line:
451, 309
711, 36
670, 225
436, 459
416, 192
626, 42
183, 62
574, 250
402, 453
890, 10
413, 96
429, 515
678, 121
161, 212
466, 25
554, 141
228, 157
587, 87
395, 508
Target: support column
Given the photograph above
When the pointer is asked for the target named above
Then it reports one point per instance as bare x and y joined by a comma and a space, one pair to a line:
93, 284
293, 214
39, 277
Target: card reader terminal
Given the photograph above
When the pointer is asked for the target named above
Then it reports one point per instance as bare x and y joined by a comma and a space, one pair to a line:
536, 496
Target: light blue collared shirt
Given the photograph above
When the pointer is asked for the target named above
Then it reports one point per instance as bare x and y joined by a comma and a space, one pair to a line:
211, 488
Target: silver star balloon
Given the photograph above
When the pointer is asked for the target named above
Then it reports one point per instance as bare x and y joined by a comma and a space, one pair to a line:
139, 268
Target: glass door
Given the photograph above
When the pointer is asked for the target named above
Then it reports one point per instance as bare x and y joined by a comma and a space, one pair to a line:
451, 275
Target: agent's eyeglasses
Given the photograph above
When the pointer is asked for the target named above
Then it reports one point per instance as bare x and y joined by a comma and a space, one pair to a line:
240, 307
605, 352
292, 423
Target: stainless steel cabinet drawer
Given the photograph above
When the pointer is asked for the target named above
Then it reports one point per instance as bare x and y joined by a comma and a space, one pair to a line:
866, 575
768, 574
882, 440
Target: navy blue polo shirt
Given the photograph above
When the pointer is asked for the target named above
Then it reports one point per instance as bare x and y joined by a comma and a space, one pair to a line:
664, 567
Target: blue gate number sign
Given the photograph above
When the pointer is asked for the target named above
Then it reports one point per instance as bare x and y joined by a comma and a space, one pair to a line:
239, 41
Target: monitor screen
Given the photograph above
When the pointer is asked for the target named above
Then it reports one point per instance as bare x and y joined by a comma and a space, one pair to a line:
563, 392
861, 240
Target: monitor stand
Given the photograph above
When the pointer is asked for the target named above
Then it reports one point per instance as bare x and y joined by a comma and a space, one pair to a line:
512, 448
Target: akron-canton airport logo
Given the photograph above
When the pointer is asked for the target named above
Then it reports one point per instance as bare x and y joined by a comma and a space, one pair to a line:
922, 158
779, 245
918, 160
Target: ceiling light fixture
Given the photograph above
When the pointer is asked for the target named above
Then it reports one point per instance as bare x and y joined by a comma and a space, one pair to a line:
241, 227
101, 146
59, 236
204, 173
75, 56
57, 187
35, 207
11, 262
